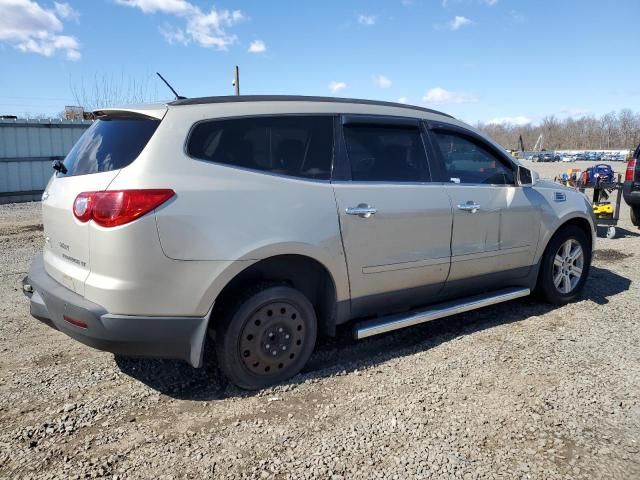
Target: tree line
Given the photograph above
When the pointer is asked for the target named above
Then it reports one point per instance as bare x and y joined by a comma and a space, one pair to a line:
612, 131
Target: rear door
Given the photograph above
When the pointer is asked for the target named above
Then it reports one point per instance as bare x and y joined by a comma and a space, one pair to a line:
495, 222
396, 225
110, 144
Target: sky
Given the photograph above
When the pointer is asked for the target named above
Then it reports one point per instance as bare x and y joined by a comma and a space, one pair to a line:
500, 61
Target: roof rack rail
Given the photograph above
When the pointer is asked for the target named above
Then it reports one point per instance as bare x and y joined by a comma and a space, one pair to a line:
297, 98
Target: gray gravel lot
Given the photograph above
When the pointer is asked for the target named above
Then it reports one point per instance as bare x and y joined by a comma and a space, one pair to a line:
519, 390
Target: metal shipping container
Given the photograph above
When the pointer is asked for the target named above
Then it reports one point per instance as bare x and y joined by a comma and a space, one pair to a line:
27, 149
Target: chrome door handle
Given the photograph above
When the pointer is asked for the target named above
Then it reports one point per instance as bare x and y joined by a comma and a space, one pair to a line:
363, 210
470, 206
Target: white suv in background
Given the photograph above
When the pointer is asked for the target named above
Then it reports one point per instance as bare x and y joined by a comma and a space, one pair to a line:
269, 220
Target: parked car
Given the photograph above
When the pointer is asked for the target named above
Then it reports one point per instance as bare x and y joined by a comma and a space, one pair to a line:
631, 186
568, 158
614, 157
253, 224
546, 157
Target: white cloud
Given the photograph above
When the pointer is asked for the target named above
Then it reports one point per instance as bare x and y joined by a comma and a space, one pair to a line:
574, 112
458, 22
490, 3
518, 121
74, 55
66, 11
207, 29
368, 20
176, 7
382, 81
403, 100
173, 35
31, 28
335, 87
517, 17
440, 96
257, 46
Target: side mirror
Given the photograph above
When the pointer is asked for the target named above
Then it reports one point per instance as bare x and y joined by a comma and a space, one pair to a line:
527, 178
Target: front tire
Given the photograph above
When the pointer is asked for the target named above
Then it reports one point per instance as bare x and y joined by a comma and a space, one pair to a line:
565, 266
266, 337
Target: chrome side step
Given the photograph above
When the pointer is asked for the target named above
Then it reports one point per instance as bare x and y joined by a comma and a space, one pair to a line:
376, 326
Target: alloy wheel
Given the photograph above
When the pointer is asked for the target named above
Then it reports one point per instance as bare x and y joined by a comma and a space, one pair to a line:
568, 265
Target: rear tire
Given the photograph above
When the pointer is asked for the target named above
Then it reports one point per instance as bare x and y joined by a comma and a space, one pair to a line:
635, 216
565, 266
266, 337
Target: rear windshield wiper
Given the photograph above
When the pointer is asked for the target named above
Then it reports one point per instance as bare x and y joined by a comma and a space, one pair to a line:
58, 166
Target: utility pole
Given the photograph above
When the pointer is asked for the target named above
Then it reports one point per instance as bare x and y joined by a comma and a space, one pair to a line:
236, 80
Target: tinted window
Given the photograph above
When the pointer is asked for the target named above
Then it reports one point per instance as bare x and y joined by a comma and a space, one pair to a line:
109, 145
468, 162
386, 154
296, 146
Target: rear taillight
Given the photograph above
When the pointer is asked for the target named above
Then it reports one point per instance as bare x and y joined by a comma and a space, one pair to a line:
631, 170
113, 208
82, 206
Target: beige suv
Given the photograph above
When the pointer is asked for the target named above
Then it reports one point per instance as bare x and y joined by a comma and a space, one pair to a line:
269, 220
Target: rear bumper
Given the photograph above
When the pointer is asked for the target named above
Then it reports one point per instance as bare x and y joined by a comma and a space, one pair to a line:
131, 335
631, 193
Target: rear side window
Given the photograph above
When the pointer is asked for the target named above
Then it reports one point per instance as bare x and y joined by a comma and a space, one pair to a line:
298, 146
109, 144
468, 162
385, 154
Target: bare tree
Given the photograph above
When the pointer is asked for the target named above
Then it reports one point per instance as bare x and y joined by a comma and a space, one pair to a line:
107, 90
611, 131
626, 121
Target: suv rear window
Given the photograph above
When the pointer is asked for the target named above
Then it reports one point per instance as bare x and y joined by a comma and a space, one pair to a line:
109, 144
299, 146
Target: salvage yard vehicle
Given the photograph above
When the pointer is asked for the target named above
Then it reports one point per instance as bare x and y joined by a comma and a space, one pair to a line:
631, 186
252, 224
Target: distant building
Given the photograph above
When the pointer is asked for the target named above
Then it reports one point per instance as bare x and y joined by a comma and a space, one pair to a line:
72, 112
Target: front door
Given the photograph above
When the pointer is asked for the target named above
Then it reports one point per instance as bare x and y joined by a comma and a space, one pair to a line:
396, 226
495, 225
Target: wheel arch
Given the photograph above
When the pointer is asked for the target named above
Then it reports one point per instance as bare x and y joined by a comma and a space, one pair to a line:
542, 289
582, 223
305, 273
579, 221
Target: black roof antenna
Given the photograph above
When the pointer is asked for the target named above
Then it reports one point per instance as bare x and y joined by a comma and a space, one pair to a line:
178, 97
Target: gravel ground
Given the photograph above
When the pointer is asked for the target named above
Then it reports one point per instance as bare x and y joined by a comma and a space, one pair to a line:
519, 390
